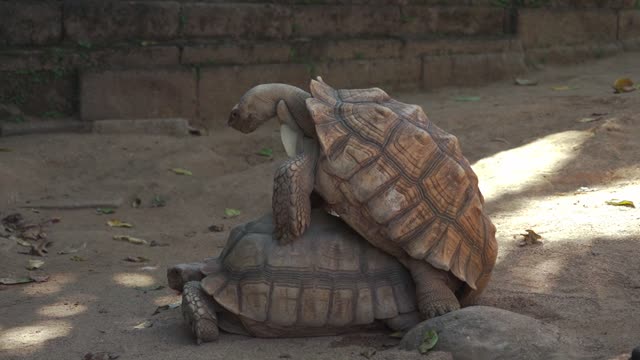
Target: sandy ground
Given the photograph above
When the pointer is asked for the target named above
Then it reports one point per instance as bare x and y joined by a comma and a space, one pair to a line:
530, 151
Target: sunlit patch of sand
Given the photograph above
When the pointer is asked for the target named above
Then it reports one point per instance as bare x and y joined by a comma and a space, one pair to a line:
133, 280
62, 309
167, 299
514, 170
54, 285
33, 336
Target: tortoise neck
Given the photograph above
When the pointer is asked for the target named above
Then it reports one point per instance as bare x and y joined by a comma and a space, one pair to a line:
295, 98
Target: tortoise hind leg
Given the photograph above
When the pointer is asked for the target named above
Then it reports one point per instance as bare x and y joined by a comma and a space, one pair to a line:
198, 311
291, 203
434, 289
404, 322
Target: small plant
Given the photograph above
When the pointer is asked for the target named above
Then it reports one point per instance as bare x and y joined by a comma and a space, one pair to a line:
183, 20
407, 19
53, 114
295, 28
85, 44
358, 56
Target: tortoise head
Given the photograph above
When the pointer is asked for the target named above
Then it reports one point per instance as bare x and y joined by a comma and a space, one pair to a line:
255, 108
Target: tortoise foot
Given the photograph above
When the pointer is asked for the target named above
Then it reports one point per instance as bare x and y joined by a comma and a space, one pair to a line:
198, 311
433, 308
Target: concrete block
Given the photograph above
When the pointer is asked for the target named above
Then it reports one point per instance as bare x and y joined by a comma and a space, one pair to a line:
544, 28
398, 73
452, 20
138, 94
37, 92
236, 53
359, 49
344, 20
103, 21
461, 46
30, 22
256, 21
629, 24
221, 87
437, 71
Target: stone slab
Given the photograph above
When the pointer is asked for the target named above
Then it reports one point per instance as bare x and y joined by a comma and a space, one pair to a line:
238, 21
138, 93
629, 24
30, 22
482, 333
104, 21
226, 53
543, 27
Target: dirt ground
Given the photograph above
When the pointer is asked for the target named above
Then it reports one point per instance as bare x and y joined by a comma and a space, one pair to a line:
539, 167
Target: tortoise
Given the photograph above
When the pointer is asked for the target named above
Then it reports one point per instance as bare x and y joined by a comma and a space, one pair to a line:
387, 171
328, 282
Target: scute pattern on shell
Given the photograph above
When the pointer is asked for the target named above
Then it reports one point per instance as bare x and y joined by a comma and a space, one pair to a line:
327, 279
401, 181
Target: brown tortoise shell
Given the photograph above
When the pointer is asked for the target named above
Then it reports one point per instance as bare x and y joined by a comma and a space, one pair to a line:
401, 182
330, 280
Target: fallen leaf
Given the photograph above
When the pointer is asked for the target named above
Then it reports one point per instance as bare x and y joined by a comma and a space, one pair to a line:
150, 288
429, 340
529, 238
623, 85
563, 88
105, 211
77, 258
162, 308
34, 264
143, 325
39, 278
5, 149
267, 152
72, 250
397, 334
154, 243
14, 281
136, 259
102, 355
158, 201
149, 268
589, 119
616, 202
216, 228
22, 242
118, 223
585, 189
467, 98
230, 213
136, 203
526, 82
180, 171
502, 140
39, 248
130, 239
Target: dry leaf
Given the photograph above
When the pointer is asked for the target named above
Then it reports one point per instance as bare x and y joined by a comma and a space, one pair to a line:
526, 82
397, 334
118, 223
136, 259
130, 239
563, 88
77, 258
39, 278
34, 264
162, 308
72, 250
143, 325
530, 238
150, 288
136, 203
216, 228
5, 149
368, 354
180, 171
14, 281
623, 85
22, 242
589, 119
626, 203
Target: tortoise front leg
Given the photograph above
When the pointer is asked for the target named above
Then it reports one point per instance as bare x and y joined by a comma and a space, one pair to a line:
291, 202
434, 289
198, 310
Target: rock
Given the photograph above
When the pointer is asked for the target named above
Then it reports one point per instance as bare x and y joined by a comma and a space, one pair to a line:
635, 354
395, 354
481, 332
